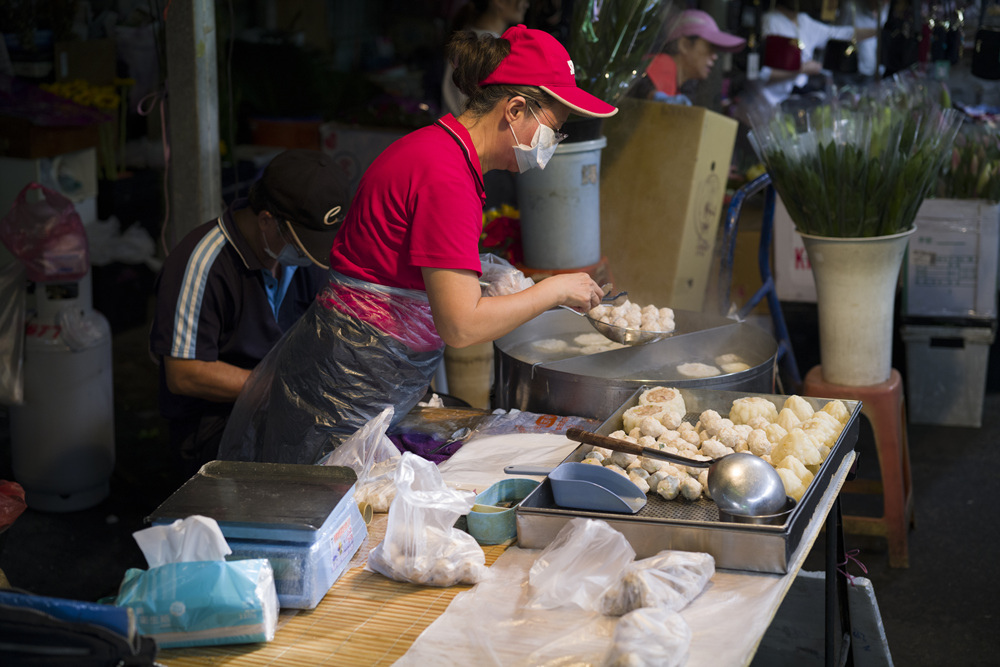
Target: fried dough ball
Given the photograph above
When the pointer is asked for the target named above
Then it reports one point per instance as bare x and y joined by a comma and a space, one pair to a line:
838, 410
799, 406
799, 444
745, 409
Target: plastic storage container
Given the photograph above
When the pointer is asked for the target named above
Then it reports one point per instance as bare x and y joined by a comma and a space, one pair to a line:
303, 518
946, 373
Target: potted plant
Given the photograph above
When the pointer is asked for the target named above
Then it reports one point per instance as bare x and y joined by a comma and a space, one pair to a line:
852, 172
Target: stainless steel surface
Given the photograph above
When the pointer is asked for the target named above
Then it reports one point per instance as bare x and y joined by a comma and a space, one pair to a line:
596, 385
694, 525
628, 336
776, 519
269, 496
744, 484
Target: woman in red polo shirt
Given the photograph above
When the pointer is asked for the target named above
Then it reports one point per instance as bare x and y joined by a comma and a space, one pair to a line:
405, 267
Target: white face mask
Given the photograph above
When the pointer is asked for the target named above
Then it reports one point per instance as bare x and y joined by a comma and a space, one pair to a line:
538, 154
288, 256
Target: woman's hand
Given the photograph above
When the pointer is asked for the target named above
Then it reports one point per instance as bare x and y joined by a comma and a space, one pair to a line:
576, 290
464, 317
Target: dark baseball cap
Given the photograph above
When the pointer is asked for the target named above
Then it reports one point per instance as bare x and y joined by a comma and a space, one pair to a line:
310, 193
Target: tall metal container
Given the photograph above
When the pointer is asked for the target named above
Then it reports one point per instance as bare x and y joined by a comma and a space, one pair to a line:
62, 438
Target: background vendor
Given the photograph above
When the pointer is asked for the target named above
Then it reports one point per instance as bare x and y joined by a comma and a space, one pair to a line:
405, 267
689, 54
233, 286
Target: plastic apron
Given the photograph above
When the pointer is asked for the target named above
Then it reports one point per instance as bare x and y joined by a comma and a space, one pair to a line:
359, 348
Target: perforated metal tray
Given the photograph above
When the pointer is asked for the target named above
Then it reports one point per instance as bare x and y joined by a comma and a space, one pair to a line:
693, 525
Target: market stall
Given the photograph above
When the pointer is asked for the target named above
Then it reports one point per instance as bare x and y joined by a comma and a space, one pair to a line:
369, 619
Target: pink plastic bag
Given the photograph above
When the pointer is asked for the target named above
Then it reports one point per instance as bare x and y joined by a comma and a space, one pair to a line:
46, 235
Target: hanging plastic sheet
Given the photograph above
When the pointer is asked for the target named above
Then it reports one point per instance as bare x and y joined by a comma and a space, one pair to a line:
359, 349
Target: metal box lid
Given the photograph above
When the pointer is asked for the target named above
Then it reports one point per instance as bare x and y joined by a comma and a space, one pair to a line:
267, 501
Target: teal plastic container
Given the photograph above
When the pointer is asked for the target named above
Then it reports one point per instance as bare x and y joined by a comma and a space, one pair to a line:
498, 526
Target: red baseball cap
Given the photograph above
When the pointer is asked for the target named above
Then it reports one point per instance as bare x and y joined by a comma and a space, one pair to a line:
538, 59
696, 23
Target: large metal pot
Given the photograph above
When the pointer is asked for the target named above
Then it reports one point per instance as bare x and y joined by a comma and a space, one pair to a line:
596, 385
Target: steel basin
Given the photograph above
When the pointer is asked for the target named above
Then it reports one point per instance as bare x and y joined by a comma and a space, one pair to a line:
596, 385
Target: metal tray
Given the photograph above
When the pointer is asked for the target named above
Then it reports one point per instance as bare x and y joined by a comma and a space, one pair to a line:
694, 525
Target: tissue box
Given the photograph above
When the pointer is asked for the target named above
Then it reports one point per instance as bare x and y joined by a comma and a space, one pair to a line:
203, 603
302, 518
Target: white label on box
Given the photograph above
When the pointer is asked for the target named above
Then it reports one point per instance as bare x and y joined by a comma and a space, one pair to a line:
951, 260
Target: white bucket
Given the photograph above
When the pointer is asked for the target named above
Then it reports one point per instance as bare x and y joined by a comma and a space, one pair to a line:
561, 208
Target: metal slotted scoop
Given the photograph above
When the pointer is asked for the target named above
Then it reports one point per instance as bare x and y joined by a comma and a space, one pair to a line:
620, 334
740, 484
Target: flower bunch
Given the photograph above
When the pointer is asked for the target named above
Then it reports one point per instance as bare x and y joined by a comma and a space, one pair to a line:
110, 151
502, 233
858, 166
973, 172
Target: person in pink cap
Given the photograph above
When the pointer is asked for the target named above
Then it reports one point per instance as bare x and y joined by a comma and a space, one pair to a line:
405, 267
691, 50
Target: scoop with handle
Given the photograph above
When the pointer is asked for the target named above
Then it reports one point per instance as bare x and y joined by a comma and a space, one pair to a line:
619, 334
739, 483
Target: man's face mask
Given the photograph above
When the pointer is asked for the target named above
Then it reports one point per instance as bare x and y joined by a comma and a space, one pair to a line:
539, 152
289, 254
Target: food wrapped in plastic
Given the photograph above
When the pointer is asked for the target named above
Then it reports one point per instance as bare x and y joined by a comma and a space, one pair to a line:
668, 580
374, 458
586, 558
421, 544
298, 404
651, 637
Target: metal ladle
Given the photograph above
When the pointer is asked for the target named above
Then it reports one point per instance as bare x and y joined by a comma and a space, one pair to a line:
620, 334
740, 483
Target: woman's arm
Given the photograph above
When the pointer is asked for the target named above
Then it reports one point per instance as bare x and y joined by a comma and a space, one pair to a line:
464, 317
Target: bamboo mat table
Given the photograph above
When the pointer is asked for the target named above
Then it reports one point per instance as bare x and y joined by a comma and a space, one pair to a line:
365, 619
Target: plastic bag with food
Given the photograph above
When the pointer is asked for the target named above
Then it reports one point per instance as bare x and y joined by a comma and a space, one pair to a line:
652, 637
586, 558
669, 580
421, 544
374, 458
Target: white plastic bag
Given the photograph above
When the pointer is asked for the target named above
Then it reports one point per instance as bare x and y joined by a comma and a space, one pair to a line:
585, 559
650, 637
12, 316
500, 277
669, 580
421, 544
371, 454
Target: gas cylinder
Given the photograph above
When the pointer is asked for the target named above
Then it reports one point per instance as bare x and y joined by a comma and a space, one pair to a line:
62, 438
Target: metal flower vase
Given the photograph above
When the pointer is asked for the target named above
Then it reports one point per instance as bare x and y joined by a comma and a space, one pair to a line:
855, 293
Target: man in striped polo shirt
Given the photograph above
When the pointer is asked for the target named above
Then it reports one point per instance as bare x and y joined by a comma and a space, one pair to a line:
233, 286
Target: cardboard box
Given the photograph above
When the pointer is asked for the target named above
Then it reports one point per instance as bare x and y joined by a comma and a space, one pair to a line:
356, 147
951, 260
793, 277
92, 60
663, 180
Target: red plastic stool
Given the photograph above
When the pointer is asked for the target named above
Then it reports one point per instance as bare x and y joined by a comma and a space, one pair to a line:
885, 408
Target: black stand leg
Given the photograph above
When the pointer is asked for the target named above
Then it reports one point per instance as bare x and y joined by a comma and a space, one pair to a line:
836, 592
